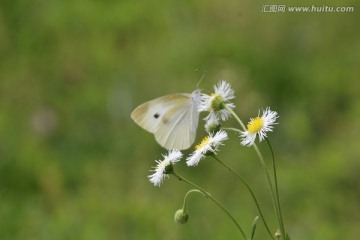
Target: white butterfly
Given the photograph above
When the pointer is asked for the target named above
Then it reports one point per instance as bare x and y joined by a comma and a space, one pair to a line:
173, 119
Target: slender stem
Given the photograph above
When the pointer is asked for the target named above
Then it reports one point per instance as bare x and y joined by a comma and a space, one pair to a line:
232, 129
208, 195
262, 161
235, 116
250, 190
187, 194
282, 228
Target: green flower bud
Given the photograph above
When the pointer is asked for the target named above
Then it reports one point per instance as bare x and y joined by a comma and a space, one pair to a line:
181, 216
278, 234
212, 127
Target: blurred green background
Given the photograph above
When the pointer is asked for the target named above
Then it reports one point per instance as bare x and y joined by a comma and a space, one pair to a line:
74, 166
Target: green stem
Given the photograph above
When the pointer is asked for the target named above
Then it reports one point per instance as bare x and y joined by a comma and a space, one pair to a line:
262, 161
208, 195
250, 190
282, 228
232, 129
235, 116
186, 195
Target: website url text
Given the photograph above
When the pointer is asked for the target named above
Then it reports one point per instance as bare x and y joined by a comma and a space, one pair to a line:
310, 9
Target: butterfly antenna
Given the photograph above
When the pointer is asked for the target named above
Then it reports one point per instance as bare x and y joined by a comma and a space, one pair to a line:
202, 77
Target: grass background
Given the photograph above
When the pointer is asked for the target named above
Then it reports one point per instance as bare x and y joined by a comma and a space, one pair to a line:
73, 165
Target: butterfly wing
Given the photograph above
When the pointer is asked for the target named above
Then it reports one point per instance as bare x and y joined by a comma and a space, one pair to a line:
173, 119
149, 114
179, 127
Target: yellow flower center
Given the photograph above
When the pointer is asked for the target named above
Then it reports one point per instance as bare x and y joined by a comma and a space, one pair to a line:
255, 125
203, 143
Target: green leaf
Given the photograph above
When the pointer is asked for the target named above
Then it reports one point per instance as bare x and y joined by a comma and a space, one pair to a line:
254, 227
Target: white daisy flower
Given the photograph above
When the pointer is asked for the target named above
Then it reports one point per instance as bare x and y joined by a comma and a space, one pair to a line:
214, 103
259, 126
210, 143
164, 167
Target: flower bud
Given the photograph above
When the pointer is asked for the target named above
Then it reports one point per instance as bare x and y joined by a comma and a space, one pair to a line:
212, 127
278, 234
181, 216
